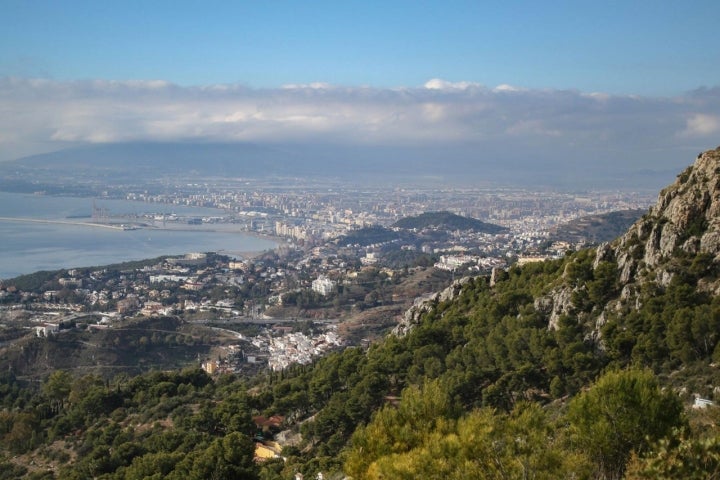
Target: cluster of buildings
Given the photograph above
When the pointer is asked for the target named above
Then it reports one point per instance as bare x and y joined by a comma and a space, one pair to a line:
296, 347
452, 263
277, 348
314, 214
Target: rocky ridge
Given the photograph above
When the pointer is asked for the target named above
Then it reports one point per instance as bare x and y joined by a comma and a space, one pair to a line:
424, 304
683, 224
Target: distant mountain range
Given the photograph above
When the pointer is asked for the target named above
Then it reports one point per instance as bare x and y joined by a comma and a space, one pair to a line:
211, 159
456, 165
237, 160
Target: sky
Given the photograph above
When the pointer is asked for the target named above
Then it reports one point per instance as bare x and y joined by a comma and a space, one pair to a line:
630, 76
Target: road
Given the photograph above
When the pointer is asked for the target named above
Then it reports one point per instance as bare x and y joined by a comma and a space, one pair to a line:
267, 320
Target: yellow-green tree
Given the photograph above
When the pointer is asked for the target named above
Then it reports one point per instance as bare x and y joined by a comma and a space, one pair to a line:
624, 412
691, 459
417, 441
398, 430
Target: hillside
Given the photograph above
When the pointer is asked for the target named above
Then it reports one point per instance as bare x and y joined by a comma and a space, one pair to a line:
447, 221
595, 229
133, 347
581, 367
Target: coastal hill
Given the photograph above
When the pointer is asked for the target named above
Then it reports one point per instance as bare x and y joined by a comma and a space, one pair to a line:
447, 221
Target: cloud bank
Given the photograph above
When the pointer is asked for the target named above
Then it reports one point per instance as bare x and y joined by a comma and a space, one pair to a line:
41, 115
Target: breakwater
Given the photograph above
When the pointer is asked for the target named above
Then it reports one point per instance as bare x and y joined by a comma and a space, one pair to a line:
61, 222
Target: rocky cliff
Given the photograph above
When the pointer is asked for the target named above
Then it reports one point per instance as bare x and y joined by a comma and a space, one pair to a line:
424, 304
681, 230
684, 221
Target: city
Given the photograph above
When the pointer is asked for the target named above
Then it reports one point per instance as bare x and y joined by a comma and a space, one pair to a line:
341, 263
359, 240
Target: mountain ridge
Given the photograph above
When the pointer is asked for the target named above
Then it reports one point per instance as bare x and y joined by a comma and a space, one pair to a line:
599, 228
681, 231
459, 165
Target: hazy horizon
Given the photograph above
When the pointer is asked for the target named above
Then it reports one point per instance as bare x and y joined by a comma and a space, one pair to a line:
544, 90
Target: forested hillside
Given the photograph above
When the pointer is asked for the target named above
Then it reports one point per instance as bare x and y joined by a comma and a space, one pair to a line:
582, 367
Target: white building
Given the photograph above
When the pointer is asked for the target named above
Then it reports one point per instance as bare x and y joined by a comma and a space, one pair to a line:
323, 285
167, 278
701, 403
47, 330
453, 262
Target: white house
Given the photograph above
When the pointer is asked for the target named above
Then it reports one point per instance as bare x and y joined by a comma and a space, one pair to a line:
47, 329
323, 285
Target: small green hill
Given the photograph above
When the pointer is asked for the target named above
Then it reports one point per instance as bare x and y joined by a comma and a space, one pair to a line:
130, 346
447, 221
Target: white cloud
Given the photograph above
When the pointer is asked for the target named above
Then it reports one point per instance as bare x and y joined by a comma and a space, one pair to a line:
439, 84
701, 125
38, 115
506, 88
313, 85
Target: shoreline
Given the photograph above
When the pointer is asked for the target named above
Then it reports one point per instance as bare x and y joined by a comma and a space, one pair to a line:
131, 226
234, 249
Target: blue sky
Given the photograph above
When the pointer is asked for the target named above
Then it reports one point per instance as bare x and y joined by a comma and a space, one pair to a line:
623, 47
624, 85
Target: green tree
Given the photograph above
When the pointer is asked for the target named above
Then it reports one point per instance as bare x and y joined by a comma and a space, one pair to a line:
624, 412
57, 389
22, 437
152, 466
227, 458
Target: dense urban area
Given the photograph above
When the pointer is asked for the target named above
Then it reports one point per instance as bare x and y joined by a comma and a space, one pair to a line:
354, 259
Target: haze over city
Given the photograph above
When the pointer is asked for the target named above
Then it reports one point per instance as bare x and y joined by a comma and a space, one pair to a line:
628, 88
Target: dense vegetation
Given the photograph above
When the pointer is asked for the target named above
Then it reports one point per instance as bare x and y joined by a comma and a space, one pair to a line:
481, 387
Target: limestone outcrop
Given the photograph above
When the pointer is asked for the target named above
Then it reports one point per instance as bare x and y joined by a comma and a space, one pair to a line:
685, 222
424, 304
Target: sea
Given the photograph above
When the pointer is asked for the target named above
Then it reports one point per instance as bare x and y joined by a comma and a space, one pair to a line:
27, 247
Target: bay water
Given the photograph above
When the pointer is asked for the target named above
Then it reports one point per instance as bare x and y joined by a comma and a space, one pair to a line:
27, 247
